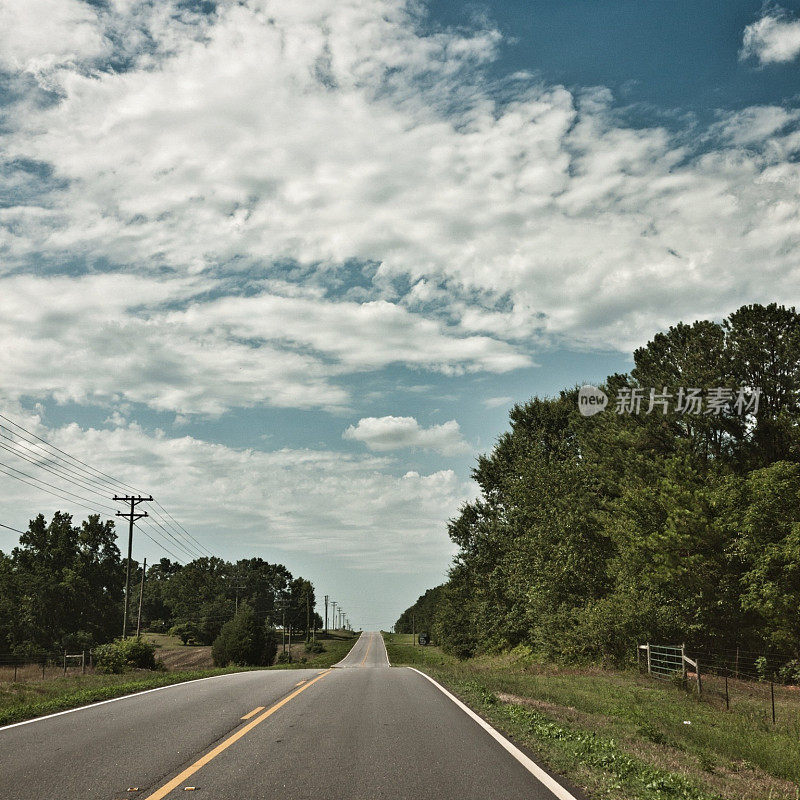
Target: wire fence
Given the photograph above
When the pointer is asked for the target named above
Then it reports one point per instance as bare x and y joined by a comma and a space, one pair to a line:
764, 687
43, 665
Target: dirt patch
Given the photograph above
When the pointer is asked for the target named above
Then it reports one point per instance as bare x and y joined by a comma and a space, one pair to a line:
185, 658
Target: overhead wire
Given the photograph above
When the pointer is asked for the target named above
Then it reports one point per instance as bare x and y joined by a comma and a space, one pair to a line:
80, 473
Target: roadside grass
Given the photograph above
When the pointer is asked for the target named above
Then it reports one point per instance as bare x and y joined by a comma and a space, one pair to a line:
337, 645
21, 701
621, 735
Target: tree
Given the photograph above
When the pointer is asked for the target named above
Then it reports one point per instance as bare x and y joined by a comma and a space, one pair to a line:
244, 640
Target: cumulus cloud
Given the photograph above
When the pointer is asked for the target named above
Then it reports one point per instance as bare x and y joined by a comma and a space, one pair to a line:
39, 35
382, 434
271, 503
342, 134
773, 39
111, 338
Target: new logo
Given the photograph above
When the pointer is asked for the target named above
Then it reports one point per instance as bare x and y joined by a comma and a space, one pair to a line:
591, 400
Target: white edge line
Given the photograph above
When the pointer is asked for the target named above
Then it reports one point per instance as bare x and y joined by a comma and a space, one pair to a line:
543, 777
115, 699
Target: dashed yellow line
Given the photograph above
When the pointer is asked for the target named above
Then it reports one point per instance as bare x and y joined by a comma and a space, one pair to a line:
369, 647
253, 712
158, 794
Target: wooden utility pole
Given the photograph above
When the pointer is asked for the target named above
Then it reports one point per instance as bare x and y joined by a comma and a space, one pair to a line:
141, 595
131, 516
326, 615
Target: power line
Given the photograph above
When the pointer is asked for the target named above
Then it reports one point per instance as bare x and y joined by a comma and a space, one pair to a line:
82, 474
8, 527
63, 452
56, 460
183, 529
178, 542
53, 486
58, 474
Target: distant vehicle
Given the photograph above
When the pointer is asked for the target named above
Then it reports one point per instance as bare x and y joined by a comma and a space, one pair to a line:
424, 638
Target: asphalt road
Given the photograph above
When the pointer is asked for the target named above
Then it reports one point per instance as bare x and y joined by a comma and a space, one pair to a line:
359, 731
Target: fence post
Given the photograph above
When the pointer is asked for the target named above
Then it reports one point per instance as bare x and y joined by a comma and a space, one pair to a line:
699, 679
83, 662
15, 670
772, 696
44, 661
683, 661
648, 659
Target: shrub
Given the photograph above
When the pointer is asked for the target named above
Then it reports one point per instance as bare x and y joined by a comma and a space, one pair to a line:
185, 631
244, 641
790, 672
315, 647
123, 654
139, 653
108, 658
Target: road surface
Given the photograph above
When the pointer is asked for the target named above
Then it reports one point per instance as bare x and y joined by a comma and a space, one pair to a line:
360, 731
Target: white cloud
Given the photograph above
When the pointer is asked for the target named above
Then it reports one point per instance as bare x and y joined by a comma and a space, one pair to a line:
341, 134
497, 402
38, 35
112, 338
270, 503
773, 39
382, 434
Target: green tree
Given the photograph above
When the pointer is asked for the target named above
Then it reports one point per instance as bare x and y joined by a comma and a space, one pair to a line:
244, 641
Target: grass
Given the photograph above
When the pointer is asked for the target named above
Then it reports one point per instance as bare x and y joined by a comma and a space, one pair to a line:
624, 736
337, 645
25, 700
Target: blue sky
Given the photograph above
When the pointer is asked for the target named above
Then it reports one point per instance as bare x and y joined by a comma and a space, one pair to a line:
288, 267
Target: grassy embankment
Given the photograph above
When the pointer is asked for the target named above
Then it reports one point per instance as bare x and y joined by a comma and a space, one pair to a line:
26, 699
624, 736
337, 645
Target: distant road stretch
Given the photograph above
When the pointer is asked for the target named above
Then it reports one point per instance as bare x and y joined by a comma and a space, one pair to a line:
359, 731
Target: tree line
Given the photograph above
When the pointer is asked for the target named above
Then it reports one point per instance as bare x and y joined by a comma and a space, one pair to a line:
62, 587
591, 534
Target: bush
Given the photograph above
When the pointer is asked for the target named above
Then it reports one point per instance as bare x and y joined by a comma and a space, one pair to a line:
108, 658
790, 672
124, 654
244, 641
185, 631
315, 647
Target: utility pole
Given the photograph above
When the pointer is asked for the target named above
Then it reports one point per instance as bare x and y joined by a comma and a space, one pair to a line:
334, 604
237, 587
326, 615
131, 516
141, 595
308, 615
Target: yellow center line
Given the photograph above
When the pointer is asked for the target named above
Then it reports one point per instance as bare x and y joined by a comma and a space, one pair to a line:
253, 712
158, 794
369, 647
